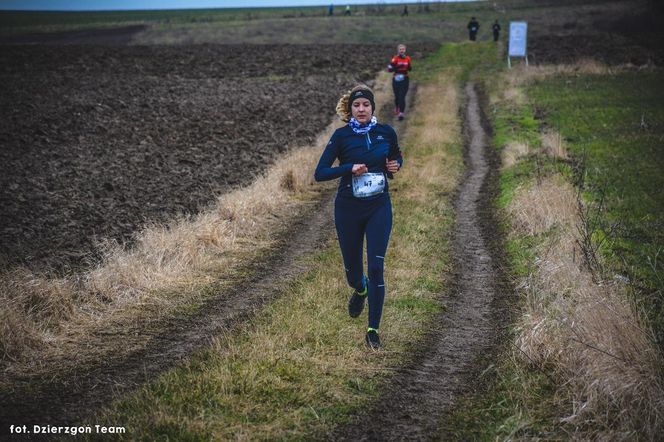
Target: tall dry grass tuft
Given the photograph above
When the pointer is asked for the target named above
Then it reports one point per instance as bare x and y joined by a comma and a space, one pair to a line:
553, 144
41, 312
512, 152
33, 307
538, 208
591, 337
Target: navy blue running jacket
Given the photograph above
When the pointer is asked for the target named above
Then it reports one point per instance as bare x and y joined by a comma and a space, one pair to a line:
372, 149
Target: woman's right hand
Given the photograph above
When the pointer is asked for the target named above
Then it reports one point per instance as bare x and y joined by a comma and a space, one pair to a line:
359, 169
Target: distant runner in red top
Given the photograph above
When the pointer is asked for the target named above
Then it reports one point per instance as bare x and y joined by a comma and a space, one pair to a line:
400, 66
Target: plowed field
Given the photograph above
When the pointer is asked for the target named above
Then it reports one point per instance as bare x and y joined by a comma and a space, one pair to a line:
98, 141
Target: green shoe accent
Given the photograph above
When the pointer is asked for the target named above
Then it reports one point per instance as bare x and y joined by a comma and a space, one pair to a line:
356, 305
357, 299
372, 339
372, 329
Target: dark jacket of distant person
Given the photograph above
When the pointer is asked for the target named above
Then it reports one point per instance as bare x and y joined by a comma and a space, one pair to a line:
473, 27
496, 30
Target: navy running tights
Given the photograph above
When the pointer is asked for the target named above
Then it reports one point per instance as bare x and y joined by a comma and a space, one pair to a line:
356, 219
400, 89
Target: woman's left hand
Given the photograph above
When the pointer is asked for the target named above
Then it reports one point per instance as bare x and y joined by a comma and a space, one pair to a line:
392, 166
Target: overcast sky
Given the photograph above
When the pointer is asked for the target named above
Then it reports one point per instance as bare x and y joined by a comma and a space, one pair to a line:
104, 5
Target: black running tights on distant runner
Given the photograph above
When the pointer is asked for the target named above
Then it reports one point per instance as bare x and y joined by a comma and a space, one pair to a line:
400, 89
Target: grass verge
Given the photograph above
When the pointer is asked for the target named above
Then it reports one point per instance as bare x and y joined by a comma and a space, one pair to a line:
300, 366
614, 127
583, 361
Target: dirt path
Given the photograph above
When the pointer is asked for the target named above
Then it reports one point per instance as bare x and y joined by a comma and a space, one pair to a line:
412, 406
69, 398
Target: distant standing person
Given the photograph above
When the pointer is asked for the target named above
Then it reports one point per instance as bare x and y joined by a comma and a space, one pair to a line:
405, 11
347, 12
368, 154
496, 30
330, 9
473, 27
400, 65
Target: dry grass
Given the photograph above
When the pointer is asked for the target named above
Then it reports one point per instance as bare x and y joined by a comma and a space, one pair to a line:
437, 125
586, 334
522, 74
436, 120
541, 206
593, 339
165, 268
513, 94
513, 151
553, 144
382, 88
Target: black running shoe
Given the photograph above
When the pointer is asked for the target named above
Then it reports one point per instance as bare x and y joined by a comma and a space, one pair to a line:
356, 302
372, 338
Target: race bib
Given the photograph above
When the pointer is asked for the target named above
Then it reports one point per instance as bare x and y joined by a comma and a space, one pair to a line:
399, 77
368, 184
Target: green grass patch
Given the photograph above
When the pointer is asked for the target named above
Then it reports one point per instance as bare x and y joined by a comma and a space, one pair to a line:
512, 123
476, 58
515, 405
614, 128
521, 252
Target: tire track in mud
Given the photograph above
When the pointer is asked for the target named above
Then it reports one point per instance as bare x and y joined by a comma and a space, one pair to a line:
443, 368
70, 398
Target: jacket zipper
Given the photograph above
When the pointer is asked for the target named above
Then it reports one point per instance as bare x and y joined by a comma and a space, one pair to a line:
368, 142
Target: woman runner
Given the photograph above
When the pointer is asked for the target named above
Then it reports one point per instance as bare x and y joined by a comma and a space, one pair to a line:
400, 66
368, 153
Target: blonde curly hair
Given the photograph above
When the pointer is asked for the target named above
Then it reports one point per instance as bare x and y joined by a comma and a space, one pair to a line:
343, 106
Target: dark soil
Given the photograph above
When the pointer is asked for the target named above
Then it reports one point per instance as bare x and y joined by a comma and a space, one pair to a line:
99, 37
442, 369
633, 37
610, 49
98, 141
